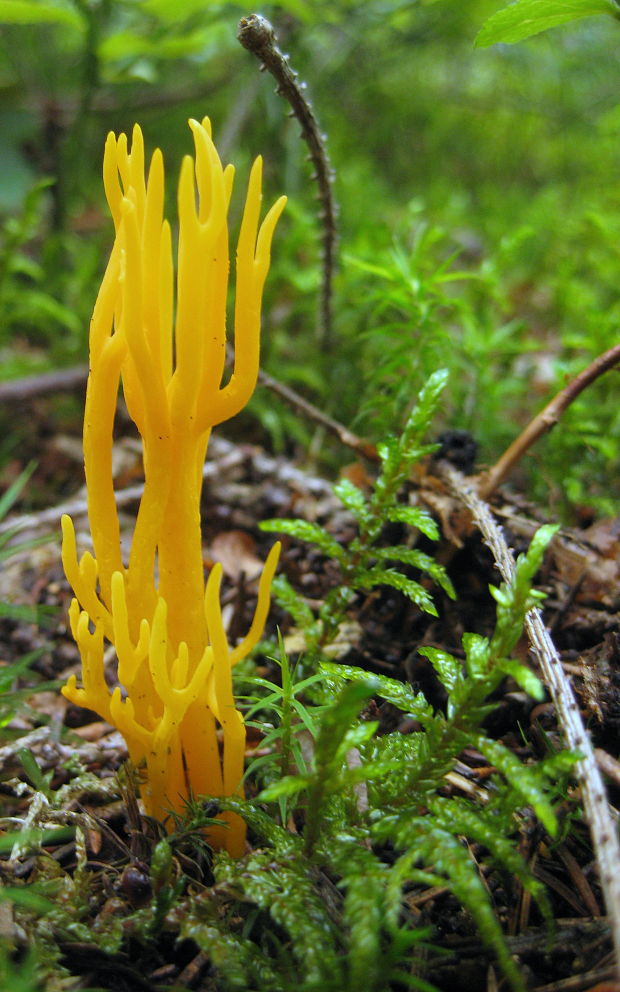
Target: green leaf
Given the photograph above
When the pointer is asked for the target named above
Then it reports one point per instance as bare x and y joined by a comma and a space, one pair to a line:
27, 897
448, 668
9, 673
528, 564
524, 677
292, 602
417, 559
304, 716
414, 517
424, 410
229, 954
458, 817
264, 826
392, 690
303, 530
529, 17
18, 611
284, 888
7, 549
288, 786
40, 781
446, 856
126, 45
388, 452
337, 721
35, 838
37, 12
376, 770
521, 780
178, 10
363, 915
477, 657
353, 498
389, 577
12, 493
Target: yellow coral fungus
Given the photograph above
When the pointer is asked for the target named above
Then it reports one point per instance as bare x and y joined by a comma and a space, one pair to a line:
168, 349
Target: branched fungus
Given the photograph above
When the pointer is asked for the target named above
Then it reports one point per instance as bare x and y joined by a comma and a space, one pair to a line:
168, 348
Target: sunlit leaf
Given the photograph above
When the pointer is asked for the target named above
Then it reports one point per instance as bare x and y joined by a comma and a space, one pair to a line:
529, 17
37, 12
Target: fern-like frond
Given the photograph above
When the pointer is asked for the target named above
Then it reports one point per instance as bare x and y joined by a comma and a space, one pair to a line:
304, 530
427, 842
285, 889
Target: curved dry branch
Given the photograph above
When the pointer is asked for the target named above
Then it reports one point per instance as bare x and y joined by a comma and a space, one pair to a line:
597, 812
545, 420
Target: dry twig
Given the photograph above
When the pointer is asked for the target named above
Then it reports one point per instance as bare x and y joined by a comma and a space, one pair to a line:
18, 390
596, 807
303, 406
545, 420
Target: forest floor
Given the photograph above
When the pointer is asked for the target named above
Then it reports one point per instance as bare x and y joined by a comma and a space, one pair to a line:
245, 485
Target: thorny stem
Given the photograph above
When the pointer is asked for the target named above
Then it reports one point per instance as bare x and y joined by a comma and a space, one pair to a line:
545, 420
257, 35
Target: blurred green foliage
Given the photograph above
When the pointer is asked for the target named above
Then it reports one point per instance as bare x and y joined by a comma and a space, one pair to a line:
526, 18
479, 206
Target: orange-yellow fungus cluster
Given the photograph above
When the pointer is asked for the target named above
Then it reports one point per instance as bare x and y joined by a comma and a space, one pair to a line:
168, 348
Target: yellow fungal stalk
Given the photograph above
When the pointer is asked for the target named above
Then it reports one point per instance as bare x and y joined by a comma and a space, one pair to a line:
168, 348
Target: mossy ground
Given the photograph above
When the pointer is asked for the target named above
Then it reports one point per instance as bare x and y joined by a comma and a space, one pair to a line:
128, 909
